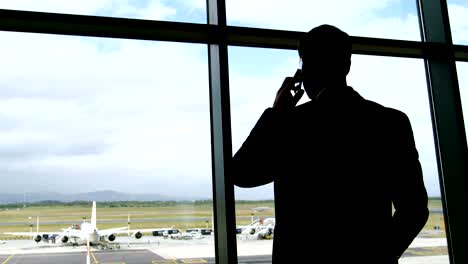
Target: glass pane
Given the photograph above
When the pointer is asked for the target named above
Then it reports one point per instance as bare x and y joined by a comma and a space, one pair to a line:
393, 82
106, 120
462, 72
193, 11
252, 88
383, 19
458, 11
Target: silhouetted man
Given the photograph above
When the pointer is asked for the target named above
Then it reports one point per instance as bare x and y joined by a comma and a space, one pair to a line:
339, 158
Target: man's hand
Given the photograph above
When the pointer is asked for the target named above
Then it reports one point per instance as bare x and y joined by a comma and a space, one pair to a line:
284, 100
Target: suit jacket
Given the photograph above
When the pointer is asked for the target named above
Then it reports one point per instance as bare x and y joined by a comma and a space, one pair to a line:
338, 164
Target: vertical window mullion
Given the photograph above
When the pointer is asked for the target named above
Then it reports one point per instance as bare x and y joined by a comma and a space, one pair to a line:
223, 189
447, 119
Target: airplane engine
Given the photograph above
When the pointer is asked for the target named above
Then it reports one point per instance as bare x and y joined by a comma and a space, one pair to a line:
64, 239
38, 238
111, 237
138, 235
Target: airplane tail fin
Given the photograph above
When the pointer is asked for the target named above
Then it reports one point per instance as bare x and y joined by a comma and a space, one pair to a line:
93, 216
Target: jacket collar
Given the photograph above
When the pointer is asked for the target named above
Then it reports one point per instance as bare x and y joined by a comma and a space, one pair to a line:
334, 97
340, 95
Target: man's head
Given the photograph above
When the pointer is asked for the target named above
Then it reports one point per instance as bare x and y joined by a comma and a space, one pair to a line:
326, 58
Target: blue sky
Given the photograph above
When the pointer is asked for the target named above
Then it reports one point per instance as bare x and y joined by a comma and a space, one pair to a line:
104, 111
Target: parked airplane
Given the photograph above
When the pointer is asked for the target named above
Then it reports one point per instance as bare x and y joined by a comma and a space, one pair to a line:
84, 232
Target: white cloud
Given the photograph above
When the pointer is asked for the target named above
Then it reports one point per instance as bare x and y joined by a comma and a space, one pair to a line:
106, 110
290, 14
355, 17
56, 6
155, 10
459, 23
138, 110
151, 9
201, 4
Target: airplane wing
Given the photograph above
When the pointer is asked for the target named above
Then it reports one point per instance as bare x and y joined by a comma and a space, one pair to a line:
36, 236
31, 234
148, 230
72, 233
108, 232
20, 234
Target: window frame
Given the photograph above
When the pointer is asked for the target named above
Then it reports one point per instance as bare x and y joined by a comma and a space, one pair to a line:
436, 49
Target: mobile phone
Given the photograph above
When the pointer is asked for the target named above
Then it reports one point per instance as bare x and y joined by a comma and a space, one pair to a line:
297, 80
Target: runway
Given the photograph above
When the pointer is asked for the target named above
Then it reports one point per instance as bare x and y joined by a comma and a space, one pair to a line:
121, 221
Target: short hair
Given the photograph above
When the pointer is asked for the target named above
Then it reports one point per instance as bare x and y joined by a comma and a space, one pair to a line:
326, 37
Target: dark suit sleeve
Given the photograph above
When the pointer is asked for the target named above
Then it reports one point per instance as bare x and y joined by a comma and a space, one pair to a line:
257, 162
408, 193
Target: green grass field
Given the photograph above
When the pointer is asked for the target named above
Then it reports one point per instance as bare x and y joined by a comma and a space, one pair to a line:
180, 211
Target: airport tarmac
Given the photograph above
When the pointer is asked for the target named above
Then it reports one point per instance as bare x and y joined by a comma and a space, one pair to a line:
121, 256
158, 250
148, 257
117, 257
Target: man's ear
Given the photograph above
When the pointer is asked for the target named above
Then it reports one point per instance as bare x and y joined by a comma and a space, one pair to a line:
347, 66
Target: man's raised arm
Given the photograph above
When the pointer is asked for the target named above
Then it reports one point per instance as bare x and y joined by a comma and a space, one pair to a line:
257, 162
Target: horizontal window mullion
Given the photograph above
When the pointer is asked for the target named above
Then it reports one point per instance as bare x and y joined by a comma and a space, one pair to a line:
94, 26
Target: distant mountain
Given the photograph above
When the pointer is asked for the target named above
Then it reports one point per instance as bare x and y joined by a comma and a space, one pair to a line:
98, 196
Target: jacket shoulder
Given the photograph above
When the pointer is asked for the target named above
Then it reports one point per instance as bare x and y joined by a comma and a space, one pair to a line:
382, 111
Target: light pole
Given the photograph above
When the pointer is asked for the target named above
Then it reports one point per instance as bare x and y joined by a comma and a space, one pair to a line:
30, 225
128, 230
